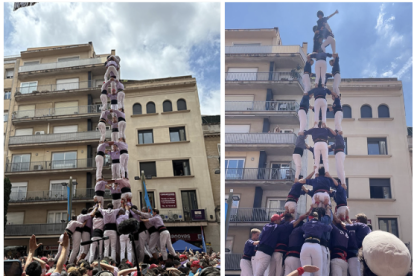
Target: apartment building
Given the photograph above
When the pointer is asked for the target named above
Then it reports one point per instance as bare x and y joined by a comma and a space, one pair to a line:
51, 113
263, 92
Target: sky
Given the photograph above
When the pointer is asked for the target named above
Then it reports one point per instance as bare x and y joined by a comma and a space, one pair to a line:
153, 40
372, 39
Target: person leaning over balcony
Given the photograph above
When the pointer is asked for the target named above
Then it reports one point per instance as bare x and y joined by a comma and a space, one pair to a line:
267, 245
121, 121
293, 196
99, 159
86, 216
115, 166
320, 65
300, 145
249, 251
109, 216
103, 120
339, 147
114, 128
320, 103
321, 187
336, 73
307, 71
303, 111
74, 229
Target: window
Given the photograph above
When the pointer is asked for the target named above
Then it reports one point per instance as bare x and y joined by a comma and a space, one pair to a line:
347, 111
383, 111
136, 109
380, 187
377, 146
15, 218
7, 95
181, 105
177, 134
29, 63
166, 106
366, 111
57, 216
67, 84
237, 128
332, 141
9, 74
149, 168
150, 107
189, 200
65, 129
181, 167
6, 116
229, 245
279, 171
389, 225
68, 59
20, 163
234, 207
23, 131
276, 204
145, 137
57, 190
151, 199
28, 87
64, 160
234, 168
18, 191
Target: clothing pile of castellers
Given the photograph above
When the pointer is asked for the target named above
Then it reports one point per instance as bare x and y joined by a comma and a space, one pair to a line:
328, 239
97, 222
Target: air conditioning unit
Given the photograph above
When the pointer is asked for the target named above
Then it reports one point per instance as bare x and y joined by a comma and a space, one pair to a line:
164, 217
39, 132
177, 217
38, 167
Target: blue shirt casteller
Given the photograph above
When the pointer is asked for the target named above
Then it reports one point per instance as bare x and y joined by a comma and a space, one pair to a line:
249, 250
268, 239
361, 230
315, 229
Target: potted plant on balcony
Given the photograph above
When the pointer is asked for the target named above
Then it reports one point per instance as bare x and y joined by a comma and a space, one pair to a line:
294, 74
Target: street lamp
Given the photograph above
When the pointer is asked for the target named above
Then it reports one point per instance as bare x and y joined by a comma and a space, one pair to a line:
142, 178
229, 205
69, 191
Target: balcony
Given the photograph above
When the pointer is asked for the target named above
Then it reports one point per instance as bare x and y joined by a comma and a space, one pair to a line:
87, 64
53, 196
36, 229
51, 90
55, 166
233, 261
284, 56
253, 214
272, 143
180, 217
44, 140
283, 83
259, 175
278, 112
56, 114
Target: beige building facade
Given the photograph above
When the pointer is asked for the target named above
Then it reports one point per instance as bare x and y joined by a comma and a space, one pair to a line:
52, 107
263, 92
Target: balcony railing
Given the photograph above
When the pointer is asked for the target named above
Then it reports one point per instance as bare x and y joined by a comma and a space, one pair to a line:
62, 64
260, 174
260, 138
233, 261
263, 76
49, 112
33, 89
253, 214
55, 195
265, 50
57, 137
36, 229
176, 215
51, 165
262, 106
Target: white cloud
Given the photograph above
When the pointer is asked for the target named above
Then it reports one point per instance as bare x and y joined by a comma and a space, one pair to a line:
154, 40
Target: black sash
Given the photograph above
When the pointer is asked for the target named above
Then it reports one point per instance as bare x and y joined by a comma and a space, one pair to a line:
123, 151
110, 226
86, 229
101, 153
69, 233
162, 229
125, 190
97, 233
115, 130
298, 151
116, 196
152, 230
100, 193
79, 229
120, 119
104, 92
115, 161
142, 227
114, 101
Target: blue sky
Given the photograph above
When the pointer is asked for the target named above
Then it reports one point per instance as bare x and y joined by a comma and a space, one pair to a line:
375, 38
154, 40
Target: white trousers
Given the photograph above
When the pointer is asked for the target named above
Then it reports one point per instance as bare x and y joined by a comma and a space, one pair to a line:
165, 240
306, 83
275, 266
110, 243
143, 240
354, 266
291, 264
318, 149
86, 236
320, 104
153, 241
320, 71
291, 207
298, 164
336, 83
339, 267
107, 75
114, 136
60, 251
123, 159
126, 244
311, 254
116, 203
341, 213
94, 246
329, 40
340, 167
100, 199
121, 127
339, 115
102, 130
120, 98
262, 263
326, 257
253, 261
116, 169
76, 240
104, 100
303, 120
114, 107
246, 268
320, 198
